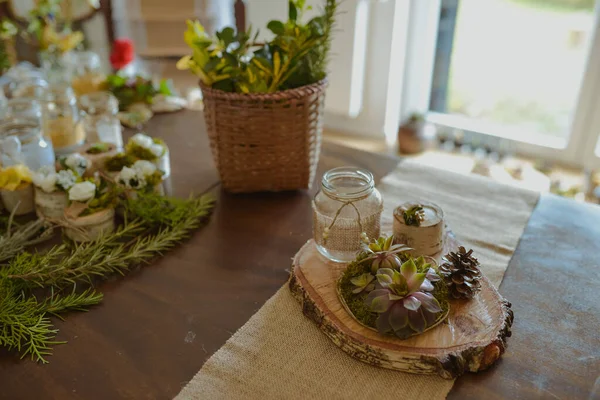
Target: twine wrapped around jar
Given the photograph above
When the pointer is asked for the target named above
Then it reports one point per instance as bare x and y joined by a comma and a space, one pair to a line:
50, 205
89, 227
346, 213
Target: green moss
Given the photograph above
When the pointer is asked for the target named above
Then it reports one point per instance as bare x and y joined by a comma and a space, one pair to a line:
98, 148
117, 162
154, 179
143, 153
356, 302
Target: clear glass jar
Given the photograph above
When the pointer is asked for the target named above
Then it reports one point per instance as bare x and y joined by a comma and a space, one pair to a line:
346, 212
62, 123
100, 118
55, 67
31, 87
86, 72
35, 151
24, 108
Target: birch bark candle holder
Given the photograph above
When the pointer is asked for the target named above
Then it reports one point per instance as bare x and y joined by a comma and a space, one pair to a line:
50, 205
89, 227
97, 154
19, 200
426, 238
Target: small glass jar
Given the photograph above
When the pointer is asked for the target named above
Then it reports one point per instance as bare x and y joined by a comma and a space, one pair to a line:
30, 87
100, 118
86, 72
61, 117
24, 108
346, 213
55, 67
35, 150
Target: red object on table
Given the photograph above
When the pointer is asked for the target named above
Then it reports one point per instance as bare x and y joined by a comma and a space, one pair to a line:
122, 53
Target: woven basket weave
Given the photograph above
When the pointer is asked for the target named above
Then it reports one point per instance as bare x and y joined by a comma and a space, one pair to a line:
265, 142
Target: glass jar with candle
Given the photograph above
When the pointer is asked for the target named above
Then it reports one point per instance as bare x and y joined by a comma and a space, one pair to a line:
61, 119
86, 72
30, 147
100, 118
346, 213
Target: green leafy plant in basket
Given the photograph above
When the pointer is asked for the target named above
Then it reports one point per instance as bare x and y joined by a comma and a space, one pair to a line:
402, 296
233, 62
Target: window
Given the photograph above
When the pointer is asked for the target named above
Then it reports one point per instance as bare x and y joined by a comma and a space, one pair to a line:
527, 71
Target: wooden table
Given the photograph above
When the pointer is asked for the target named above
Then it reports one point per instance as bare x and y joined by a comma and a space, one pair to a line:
157, 326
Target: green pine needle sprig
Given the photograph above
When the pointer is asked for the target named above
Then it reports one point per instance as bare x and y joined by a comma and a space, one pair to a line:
153, 226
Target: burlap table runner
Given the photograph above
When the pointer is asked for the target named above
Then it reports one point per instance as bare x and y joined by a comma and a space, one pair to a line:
280, 354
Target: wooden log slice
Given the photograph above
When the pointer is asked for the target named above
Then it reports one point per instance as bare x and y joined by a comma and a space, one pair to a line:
471, 339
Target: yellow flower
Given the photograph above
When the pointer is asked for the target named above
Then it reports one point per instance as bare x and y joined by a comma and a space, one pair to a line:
14, 176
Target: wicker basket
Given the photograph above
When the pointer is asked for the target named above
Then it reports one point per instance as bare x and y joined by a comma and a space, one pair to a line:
265, 142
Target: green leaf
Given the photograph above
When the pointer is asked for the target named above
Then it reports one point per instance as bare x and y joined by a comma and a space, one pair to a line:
408, 268
211, 65
227, 36
165, 87
293, 11
276, 27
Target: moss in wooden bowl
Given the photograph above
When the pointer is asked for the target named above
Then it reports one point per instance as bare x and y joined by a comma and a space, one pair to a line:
405, 298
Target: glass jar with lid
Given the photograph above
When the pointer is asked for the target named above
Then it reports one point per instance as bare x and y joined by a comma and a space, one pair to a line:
61, 118
21, 140
346, 213
100, 118
86, 72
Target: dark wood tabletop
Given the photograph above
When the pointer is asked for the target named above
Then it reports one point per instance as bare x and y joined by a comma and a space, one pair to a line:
157, 326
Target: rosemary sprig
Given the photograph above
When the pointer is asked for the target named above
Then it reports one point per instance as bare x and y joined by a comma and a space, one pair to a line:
24, 318
17, 237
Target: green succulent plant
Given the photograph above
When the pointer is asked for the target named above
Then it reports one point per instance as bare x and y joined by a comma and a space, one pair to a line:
384, 254
403, 299
363, 283
414, 215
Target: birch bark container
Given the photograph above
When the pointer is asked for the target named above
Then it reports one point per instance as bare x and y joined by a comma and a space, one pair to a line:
163, 163
90, 227
425, 239
97, 159
20, 199
50, 205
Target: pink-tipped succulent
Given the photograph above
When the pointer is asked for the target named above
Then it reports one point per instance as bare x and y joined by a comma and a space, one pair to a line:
403, 301
384, 254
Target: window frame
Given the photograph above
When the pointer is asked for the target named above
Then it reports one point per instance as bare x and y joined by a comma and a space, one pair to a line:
576, 150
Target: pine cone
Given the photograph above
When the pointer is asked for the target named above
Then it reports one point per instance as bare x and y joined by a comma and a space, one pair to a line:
461, 274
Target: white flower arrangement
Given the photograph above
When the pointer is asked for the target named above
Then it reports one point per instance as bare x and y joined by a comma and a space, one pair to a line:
47, 179
141, 175
77, 163
82, 191
146, 142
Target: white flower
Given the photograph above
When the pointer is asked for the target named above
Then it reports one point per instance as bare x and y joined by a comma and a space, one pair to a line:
157, 150
77, 163
45, 178
131, 178
82, 191
144, 168
142, 140
66, 179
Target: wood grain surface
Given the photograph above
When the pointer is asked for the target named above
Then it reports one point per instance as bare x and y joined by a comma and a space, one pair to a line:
158, 325
472, 338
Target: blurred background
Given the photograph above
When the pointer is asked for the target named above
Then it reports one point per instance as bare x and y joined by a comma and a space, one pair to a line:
502, 88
